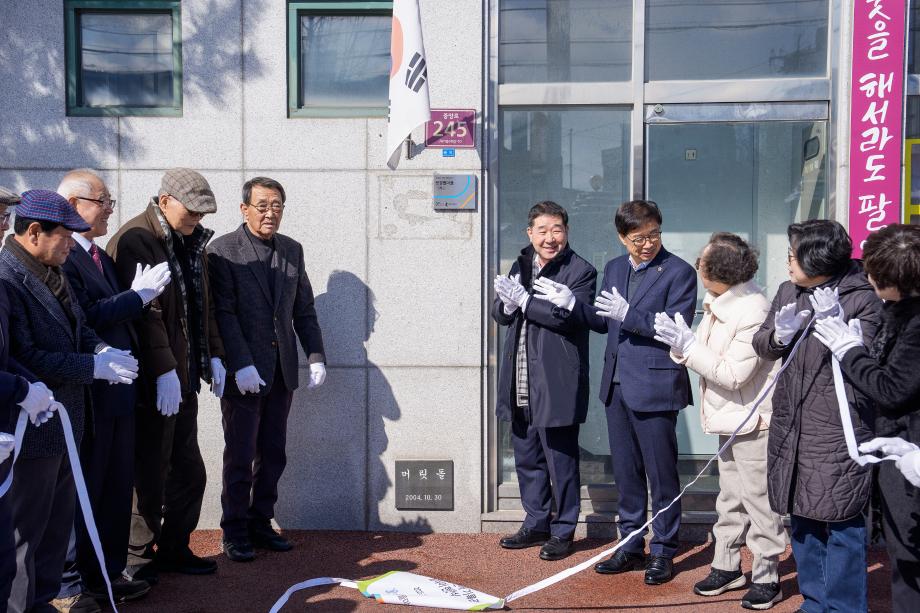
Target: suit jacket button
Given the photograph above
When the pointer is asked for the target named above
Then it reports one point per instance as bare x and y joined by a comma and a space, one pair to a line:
274, 343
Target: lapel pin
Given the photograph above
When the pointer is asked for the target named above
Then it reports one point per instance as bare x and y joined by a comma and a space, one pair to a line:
659, 269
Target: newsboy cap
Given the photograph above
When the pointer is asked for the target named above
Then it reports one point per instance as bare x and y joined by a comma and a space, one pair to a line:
8, 197
189, 188
46, 205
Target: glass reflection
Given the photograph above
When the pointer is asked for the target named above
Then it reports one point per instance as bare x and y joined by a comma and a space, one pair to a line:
126, 59
344, 60
736, 39
564, 41
578, 158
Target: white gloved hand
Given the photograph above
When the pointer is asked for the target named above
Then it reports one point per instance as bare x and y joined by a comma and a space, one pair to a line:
675, 333
501, 291
825, 302
611, 305
787, 321
248, 380
115, 366
838, 336
511, 292
37, 403
169, 393
149, 282
317, 375
909, 465
218, 377
7, 445
888, 446
557, 293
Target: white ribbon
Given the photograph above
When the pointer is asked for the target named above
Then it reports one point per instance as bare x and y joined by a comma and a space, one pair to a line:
843, 406
307, 584
74, 455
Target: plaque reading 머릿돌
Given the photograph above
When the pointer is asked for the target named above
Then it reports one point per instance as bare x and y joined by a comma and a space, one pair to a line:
425, 485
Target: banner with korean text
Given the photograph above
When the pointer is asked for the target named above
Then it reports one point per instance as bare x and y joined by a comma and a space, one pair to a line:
876, 117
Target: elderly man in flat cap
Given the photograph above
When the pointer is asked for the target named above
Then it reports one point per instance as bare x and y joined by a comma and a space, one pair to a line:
179, 347
50, 337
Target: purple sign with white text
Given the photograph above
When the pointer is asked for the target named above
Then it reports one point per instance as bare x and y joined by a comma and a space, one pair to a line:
451, 129
877, 93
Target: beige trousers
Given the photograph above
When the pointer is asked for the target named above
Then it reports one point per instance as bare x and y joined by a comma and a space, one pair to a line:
744, 510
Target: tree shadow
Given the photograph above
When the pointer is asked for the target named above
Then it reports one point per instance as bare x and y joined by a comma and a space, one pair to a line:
38, 140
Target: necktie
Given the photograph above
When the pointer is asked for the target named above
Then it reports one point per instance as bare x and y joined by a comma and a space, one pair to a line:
94, 252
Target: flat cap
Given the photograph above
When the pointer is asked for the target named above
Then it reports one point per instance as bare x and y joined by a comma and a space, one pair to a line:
46, 205
8, 197
189, 188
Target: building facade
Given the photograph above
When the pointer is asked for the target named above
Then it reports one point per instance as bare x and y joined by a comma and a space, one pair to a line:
731, 115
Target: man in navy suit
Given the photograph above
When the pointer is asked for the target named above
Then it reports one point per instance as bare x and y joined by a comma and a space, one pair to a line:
642, 388
107, 454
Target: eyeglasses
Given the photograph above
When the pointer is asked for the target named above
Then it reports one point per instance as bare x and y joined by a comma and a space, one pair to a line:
5, 218
106, 203
276, 207
638, 241
790, 256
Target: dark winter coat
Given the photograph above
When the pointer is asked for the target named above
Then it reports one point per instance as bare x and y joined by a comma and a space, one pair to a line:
557, 345
886, 372
810, 473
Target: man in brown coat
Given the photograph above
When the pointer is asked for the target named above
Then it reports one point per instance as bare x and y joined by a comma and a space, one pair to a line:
179, 346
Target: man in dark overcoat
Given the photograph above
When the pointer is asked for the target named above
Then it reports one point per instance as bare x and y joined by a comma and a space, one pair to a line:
263, 298
642, 387
543, 379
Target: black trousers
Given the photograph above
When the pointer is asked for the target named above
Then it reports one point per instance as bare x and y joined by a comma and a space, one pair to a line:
169, 478
255, 435
7, 542
643, 445
108, 467
42, 500
546, 462
901, 525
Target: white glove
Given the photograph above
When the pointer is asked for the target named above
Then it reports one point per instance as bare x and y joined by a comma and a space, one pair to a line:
248, 380
888, 446
611, 305
511, 292
37, 403
169, 393
149, 282
787, 322
909, 465
7, 444
317, 375
557, 293
218, 377
675, 333
838, 336
825, 302
115, 366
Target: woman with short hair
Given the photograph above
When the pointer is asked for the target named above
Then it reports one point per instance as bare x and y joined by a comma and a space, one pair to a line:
810, 473
732, 377
885, 370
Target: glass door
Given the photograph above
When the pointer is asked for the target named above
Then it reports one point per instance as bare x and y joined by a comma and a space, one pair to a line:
711, 168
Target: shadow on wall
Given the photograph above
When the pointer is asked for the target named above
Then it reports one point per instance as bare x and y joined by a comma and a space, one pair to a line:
38, 141
337, 434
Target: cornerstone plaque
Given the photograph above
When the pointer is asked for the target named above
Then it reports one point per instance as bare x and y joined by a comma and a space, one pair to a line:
454, 193
425, 484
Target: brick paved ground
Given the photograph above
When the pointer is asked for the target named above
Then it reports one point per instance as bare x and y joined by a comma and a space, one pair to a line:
474, 560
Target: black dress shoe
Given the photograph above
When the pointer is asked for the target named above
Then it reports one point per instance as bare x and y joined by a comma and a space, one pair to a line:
620, 562
525, 537
658, 570
555, 548
265, 537
123, 590
239, 550
184, 562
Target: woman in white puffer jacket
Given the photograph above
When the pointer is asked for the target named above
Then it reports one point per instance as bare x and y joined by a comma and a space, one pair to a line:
732, 377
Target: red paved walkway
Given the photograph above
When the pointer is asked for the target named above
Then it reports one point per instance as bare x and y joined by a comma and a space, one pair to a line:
474, 560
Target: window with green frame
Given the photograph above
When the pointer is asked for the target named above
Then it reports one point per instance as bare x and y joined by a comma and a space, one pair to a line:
123, 57
338, 58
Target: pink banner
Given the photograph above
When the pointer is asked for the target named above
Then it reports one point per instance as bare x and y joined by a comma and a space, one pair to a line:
877, 94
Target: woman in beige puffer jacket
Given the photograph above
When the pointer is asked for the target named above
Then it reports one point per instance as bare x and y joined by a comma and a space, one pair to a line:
732, 378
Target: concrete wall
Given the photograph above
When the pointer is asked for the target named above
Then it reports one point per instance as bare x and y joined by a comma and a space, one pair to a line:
397, 285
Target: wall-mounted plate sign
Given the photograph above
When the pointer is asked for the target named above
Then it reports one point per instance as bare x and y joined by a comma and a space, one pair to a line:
451, 129
425, 484
454, 193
